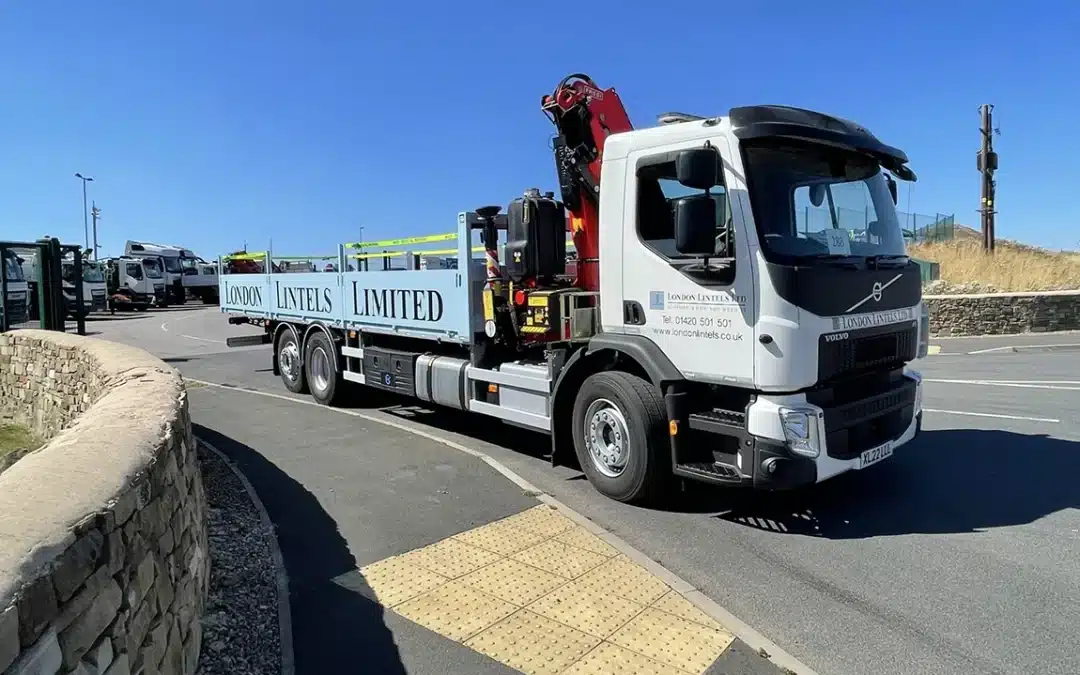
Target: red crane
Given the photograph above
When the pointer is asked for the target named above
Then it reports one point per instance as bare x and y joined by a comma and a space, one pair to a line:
585, 116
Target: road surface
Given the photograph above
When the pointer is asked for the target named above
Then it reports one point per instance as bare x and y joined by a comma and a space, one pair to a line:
959, 555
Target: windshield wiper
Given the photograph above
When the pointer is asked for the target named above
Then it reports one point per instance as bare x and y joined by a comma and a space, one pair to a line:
876, 260
841, 259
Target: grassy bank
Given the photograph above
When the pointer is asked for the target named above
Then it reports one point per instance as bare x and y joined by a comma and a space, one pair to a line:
1013, 267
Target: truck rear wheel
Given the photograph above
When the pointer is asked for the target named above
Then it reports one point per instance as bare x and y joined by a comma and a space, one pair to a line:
321, 368
620, 436
290, 364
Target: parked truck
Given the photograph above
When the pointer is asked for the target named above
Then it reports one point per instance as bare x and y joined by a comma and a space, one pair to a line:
138, 283
93, 286
710, 331
186, 274
94, 289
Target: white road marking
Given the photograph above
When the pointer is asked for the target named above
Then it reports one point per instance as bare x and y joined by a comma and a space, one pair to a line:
1011, 347
747, 634
1067, 385
996, 416
193, 337
185, 317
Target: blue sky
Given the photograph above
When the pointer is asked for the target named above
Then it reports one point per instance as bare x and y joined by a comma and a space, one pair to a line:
208, 123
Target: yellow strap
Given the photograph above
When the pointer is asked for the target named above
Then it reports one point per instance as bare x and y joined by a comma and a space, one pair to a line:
407, 241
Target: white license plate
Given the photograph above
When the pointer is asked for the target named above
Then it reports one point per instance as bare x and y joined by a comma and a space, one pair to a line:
875, 455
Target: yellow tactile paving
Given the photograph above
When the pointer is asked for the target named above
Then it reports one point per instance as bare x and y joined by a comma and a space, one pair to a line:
619, 576
500, 537
581, 607
556, 557
541, 594
455, 610
532, 644
672, 640
542, 520
512, 581
451, 558
673, 603
579, 537
396, 580
609, 659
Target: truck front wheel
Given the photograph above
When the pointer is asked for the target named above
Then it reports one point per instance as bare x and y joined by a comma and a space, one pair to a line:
290, 364
321, 369
620, 437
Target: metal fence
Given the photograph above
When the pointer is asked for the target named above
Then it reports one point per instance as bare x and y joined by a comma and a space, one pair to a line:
919, 228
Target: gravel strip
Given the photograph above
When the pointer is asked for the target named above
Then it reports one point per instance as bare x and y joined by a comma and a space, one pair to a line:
241, 633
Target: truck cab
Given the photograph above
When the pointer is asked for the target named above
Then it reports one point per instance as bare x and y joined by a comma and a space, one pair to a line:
16, 299
761, 254
138, 282
93, 287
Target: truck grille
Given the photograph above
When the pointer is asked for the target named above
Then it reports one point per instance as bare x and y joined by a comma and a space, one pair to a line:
860, 415
849, 352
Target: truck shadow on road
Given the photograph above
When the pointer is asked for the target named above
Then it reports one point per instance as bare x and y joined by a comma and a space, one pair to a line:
337, 626
948, 481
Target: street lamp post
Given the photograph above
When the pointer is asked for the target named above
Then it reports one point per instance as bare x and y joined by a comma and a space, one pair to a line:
86, 215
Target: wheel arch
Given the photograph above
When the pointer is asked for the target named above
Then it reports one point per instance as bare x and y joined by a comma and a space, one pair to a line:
631, 353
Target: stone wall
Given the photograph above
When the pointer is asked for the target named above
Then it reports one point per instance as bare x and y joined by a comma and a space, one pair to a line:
1003, 313
103, 540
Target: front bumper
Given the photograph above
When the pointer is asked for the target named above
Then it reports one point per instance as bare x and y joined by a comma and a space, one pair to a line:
844, 429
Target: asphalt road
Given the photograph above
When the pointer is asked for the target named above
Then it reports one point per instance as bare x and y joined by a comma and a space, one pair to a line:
959, 555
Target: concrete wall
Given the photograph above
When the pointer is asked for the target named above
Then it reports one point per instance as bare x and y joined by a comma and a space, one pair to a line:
103, 540
1003, 313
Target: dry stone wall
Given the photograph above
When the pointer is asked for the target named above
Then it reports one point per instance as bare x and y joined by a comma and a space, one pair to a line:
1003, 313
103, 566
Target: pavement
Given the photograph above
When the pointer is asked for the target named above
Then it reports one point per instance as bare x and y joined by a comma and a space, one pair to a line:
956, 556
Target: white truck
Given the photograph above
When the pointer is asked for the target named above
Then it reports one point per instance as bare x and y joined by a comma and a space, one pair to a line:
706, 333
185, 273
135, 282
94, 288
94, 296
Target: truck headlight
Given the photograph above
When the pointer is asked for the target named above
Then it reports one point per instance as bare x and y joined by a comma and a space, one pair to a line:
924, 332
801, 430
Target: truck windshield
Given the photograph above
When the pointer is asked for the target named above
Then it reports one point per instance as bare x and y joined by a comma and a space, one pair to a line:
172, 265
12, 268
152, 267
814, 202
93, 274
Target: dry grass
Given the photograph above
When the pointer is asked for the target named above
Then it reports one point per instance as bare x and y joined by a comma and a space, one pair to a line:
1013, 267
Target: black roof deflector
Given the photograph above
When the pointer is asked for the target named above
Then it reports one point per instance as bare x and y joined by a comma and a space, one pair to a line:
778, 121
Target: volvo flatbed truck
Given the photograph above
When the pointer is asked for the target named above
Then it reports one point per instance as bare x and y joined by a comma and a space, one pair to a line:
741, 309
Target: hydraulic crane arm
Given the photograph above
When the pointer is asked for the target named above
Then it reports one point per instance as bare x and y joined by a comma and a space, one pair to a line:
584, 116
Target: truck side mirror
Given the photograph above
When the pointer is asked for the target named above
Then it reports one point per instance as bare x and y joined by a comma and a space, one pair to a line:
695, 225
697, 168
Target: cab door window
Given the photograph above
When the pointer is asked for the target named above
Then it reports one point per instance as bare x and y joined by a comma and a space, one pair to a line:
657, 191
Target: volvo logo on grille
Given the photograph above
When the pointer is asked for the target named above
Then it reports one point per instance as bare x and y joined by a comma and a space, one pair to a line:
875, 293
836, 337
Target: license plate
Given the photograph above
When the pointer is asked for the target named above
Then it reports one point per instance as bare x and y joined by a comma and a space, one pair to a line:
875, 455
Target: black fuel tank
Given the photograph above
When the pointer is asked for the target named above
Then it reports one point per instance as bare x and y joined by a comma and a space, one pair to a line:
535, 237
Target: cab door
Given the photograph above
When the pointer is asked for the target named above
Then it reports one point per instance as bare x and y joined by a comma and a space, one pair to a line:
701, 316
